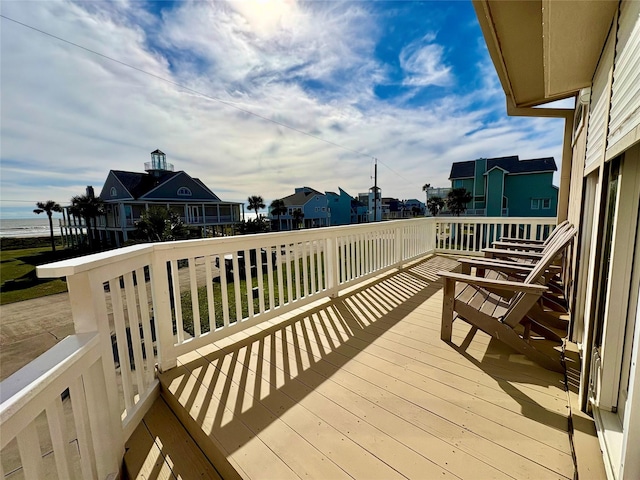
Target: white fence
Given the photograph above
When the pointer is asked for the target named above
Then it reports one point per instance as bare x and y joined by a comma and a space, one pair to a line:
139, 307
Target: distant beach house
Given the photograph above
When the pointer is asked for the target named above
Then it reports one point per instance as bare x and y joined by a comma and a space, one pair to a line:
373, 200
344, 209
508, 186
127, 194
313, 205
320, 209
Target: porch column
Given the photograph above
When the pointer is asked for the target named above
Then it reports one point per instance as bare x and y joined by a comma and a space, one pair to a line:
565, 170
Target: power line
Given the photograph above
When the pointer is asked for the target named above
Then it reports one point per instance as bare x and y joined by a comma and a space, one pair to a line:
210, 97
179, 85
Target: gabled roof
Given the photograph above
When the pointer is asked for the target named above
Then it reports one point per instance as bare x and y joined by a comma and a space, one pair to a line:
510, 164
300, 198
138, 184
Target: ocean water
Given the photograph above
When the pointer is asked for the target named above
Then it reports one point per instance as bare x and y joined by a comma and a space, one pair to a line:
28, 227
39, 226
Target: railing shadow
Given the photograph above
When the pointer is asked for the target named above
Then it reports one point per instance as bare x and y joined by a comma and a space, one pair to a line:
236, 391
512, 371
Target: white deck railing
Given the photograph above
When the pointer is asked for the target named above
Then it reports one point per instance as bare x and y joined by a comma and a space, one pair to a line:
139, 307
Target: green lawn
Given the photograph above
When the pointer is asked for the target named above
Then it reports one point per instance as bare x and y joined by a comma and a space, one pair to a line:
203, 303
18, 280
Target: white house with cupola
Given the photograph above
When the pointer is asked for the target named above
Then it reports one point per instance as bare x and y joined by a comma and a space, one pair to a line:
127, 194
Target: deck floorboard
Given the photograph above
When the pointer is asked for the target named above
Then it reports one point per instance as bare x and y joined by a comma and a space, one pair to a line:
363, 387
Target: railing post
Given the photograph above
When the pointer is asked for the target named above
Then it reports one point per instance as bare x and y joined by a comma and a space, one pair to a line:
89, 311
331, 265
399, 250
161, 299
109, 451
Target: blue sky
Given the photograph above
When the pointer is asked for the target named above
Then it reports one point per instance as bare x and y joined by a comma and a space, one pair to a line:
410, 83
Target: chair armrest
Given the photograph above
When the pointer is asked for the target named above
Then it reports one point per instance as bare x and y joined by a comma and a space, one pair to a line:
521, 240
512, 253
490, 264
504, 285
498, 263
518, 246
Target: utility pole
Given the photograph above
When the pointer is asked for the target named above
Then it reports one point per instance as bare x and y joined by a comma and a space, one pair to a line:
375, 191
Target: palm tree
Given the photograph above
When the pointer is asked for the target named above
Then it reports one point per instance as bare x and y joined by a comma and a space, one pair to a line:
256, 202
278, 208
49, 207
434, 205
297, 217
425, 189
457, 200
87, 207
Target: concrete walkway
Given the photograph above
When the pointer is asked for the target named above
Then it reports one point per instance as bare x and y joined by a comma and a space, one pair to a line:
31, 327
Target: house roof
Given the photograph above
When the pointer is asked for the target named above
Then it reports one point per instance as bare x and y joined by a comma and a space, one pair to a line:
510, 164
299, 198
138, 184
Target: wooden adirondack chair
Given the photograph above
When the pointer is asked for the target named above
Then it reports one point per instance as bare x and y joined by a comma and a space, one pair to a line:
527, 244
524, 251
498, 306
556, 298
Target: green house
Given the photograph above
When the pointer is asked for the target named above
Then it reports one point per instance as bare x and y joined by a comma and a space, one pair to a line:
508, 186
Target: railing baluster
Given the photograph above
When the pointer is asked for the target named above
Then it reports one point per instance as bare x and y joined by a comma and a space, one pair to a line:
260, 276
281, 265
289, 275
195, 302
177, 300
59, 439
29, 447
211, 303
81, 418
121, 342
143, 299
296, 268
270, 281
224, 290
321, 251
305, 267
134, 330
248, 277
236, 285
313, 255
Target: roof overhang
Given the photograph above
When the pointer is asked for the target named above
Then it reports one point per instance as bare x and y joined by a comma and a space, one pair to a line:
544, 50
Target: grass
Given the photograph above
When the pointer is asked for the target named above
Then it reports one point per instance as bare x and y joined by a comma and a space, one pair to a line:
203, 302
18, 280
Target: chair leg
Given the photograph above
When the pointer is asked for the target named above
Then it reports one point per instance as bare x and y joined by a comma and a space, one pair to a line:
447, 309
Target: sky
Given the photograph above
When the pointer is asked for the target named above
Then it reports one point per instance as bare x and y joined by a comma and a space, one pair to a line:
215, 85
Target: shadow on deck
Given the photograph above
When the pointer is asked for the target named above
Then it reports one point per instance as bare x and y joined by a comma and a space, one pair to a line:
363, 387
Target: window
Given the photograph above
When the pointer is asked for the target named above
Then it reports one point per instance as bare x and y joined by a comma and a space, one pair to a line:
114, 192
538, 203
184, 192
317, 209
324, 209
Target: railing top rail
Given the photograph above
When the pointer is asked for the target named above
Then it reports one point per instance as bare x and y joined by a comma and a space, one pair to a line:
30, 380
77, 265
81, 264
499, 220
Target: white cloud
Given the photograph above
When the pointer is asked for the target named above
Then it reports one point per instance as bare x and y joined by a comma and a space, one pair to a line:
423, 63
68, 116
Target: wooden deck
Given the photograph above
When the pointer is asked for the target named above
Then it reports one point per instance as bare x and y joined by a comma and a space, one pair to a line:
363, 387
